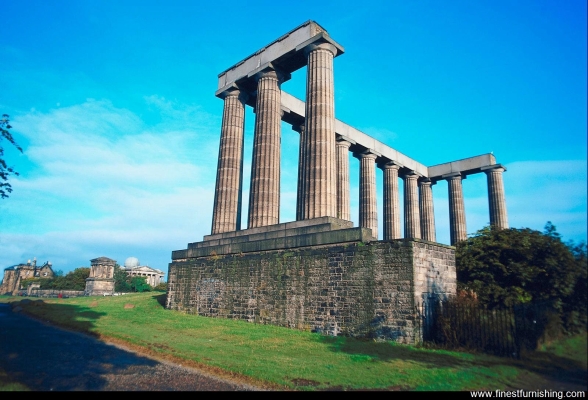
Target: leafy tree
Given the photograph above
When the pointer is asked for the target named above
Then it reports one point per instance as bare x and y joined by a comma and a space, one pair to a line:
516, 266
73, 280
120, 280
139, 284
5, 170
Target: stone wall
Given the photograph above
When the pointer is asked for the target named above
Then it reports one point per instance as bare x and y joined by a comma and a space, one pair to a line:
55, 293
358, 289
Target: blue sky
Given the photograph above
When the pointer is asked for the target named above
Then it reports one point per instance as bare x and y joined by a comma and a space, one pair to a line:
113, 103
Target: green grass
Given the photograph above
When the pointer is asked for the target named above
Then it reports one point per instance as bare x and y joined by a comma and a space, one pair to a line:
277, 357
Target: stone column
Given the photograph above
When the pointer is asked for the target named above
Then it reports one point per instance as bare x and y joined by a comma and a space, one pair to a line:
300, 189
264, 194
391, 202
319, 139
496, 198
368, 210
457, 221
343, 206
412, 222
226, 214
427, 211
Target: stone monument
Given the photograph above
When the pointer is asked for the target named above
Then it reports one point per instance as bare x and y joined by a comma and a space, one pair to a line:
101, 279
319, 272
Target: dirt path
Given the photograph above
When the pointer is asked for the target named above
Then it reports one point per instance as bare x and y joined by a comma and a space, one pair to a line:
46, 358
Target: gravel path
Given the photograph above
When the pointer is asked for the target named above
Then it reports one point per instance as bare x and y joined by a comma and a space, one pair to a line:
47, 358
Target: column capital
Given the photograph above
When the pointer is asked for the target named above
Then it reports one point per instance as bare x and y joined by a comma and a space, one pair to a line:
370, 154
268, 70
320, 46
390, 165
235, 91
453, 176
344, 139
410, 174
495, 167
343, 143
424, 181
367, 153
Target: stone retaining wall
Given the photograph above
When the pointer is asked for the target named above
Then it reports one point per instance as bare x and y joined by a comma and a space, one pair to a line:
357, 289
55, 293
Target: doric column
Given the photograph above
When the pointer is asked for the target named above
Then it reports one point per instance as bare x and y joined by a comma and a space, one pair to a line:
457, 222
319, 138
368, 210
343, 206
496, 198
264, 194
412, 222
391, 202
427, 211
300, 186
226, 214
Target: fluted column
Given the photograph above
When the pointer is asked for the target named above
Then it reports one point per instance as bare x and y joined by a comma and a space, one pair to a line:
391, 202
412, 222
457, 221
264, 194
226, 214
343, 207
496, 198
319, 139
368, 210
426, 210
300, 186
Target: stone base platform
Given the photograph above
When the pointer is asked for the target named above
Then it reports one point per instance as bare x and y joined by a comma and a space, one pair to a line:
312, 232
355, 289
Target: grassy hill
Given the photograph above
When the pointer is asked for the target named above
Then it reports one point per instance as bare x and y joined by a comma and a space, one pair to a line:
282, 358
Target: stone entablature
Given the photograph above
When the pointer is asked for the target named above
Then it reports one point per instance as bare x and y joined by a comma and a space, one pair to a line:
15, 274
357, 289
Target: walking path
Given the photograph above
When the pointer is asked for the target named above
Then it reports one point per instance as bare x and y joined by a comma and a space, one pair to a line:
47, 358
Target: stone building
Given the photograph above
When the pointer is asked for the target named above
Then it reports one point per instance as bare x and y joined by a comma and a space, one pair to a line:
152, 276
101, 279
14, 275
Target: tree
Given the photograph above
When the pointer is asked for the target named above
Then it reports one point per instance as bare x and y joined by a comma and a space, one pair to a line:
5, 170
516, 266
120, 280
139, 284
73, 280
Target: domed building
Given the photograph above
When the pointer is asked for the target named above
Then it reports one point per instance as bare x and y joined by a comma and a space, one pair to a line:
133, 268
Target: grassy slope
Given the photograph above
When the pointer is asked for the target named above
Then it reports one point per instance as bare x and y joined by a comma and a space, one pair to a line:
279, 357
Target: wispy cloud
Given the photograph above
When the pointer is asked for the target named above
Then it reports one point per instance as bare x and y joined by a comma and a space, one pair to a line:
101, 180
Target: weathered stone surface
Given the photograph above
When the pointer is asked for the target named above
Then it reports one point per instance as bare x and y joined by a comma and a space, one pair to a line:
343, 206
391, 202
318, 144
412, 222
364, 290
226, 215
457, 221
496, 198
368, 208
264, 193
427, 211
101, 279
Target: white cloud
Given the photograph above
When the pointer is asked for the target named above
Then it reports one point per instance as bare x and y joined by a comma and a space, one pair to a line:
104, 183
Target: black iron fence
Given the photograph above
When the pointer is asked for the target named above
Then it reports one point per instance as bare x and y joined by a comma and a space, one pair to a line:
504, 332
